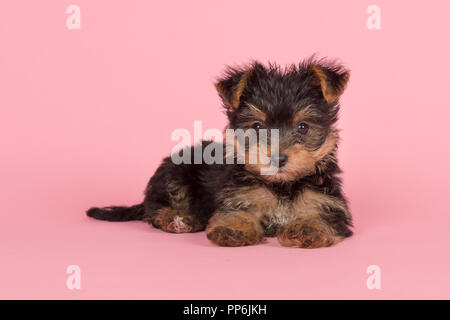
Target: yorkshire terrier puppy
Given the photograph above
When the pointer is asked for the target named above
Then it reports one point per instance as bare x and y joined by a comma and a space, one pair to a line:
301, 203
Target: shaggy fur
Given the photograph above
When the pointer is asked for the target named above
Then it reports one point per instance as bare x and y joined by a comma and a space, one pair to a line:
302, 205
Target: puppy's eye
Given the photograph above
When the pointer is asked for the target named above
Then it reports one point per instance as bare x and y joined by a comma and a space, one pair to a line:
257, 126
303, 128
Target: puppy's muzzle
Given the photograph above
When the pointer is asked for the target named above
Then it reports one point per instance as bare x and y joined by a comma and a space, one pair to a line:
279, 160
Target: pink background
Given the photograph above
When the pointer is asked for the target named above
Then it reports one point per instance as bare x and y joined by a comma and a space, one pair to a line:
86, 116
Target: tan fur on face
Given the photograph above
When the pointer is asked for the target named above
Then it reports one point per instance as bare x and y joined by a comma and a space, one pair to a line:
304, 114
249, 155
255, 114
301, 161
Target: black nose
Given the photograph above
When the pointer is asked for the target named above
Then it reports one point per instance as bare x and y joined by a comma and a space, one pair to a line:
279, 159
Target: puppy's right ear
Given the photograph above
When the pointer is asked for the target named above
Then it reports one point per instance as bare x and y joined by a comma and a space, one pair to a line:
232, 84
330, 77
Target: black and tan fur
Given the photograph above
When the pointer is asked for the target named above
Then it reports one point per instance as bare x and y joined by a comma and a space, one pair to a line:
302, 205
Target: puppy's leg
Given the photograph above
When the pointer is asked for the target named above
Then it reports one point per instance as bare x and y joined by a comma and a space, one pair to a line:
235, 228
170, 210
322, 221
237, 218
307, 233
176, 221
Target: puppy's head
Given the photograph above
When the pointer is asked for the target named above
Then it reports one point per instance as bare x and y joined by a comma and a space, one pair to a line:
300, 101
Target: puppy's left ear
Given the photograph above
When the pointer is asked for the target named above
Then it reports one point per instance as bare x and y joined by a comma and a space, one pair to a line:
231, 86
331, 78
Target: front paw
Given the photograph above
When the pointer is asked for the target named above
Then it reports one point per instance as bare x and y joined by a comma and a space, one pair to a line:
234, 231
307, 233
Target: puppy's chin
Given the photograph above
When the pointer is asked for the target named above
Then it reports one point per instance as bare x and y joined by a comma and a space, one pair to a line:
272, 174
279, 177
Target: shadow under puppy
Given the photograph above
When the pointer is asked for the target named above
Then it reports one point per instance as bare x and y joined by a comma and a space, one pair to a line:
301, 204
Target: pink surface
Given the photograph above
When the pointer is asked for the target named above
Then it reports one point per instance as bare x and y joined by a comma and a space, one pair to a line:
86, 116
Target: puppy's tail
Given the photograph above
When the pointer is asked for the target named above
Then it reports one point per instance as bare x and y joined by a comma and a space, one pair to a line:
135, 212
